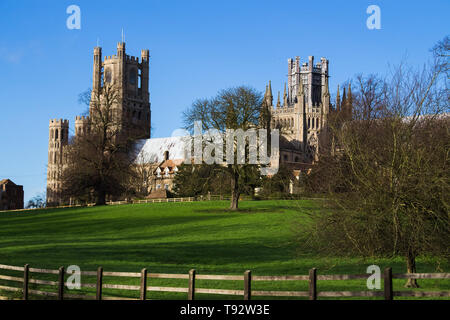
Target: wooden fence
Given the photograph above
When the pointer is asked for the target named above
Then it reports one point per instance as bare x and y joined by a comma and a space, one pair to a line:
185, 199
247, 293
158, 200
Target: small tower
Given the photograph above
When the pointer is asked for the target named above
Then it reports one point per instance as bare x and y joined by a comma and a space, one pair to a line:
97, 70
278, 99
58, 139
269, 96
343, 101
81, 125
325, 100
338, 100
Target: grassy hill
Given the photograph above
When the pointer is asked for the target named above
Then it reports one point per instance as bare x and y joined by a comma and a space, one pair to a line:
176, 237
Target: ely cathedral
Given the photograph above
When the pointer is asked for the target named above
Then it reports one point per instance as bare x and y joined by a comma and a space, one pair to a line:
301, 115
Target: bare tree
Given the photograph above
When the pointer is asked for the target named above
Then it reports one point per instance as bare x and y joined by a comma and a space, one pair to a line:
98, 163
387, 173
38, 201
141, 175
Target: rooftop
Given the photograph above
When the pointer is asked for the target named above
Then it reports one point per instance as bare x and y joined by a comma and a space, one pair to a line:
152, 150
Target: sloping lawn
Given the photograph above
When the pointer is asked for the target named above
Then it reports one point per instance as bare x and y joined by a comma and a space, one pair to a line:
177, 237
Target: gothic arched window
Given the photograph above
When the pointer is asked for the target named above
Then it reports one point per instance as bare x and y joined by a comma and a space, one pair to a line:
108, 75
132, 76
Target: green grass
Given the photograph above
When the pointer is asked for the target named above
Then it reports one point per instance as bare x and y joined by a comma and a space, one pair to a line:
176, 237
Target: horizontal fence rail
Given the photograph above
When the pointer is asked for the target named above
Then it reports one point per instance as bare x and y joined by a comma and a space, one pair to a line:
140, 201
191, 290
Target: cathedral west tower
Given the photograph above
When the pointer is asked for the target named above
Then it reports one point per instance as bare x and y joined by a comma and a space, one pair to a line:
129, 76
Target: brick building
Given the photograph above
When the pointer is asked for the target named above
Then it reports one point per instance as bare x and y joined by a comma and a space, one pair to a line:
11, 195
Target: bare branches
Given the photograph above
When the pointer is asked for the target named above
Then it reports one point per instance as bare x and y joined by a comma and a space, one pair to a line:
389, 170
98, 163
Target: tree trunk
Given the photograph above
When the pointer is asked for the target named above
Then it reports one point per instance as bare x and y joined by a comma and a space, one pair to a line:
234, 191
101, 198
411, 268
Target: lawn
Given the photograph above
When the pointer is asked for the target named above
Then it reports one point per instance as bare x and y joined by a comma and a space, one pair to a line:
176, 237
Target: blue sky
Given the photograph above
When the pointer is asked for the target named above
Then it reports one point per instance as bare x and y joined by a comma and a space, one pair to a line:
196, 48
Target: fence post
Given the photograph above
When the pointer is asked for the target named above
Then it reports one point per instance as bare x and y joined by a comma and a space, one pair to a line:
26, 273
144, 284
99, 283
61, 284
191, 289
313, 284
388, 290
247, 285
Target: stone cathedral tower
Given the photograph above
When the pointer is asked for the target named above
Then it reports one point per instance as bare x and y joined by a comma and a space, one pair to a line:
58, 139
130, 77
304, 111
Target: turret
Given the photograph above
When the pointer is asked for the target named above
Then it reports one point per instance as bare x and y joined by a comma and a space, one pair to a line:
121, 55
301, 96
97, 69
338, 100
121, 50
58, 139
278, 99
310, 80
269, 97
59, 132
81, 125
145, 56
343, 101
285, 97
325, 99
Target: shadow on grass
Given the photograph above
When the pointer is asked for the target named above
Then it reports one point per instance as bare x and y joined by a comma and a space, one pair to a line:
273, 209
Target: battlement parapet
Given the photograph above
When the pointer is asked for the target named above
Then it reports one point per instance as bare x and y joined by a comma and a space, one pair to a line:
145, 54
59, 122
81, 118
308, 66
108, 58
132, 59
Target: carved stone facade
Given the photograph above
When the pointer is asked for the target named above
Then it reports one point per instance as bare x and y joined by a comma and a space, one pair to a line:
304, 110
